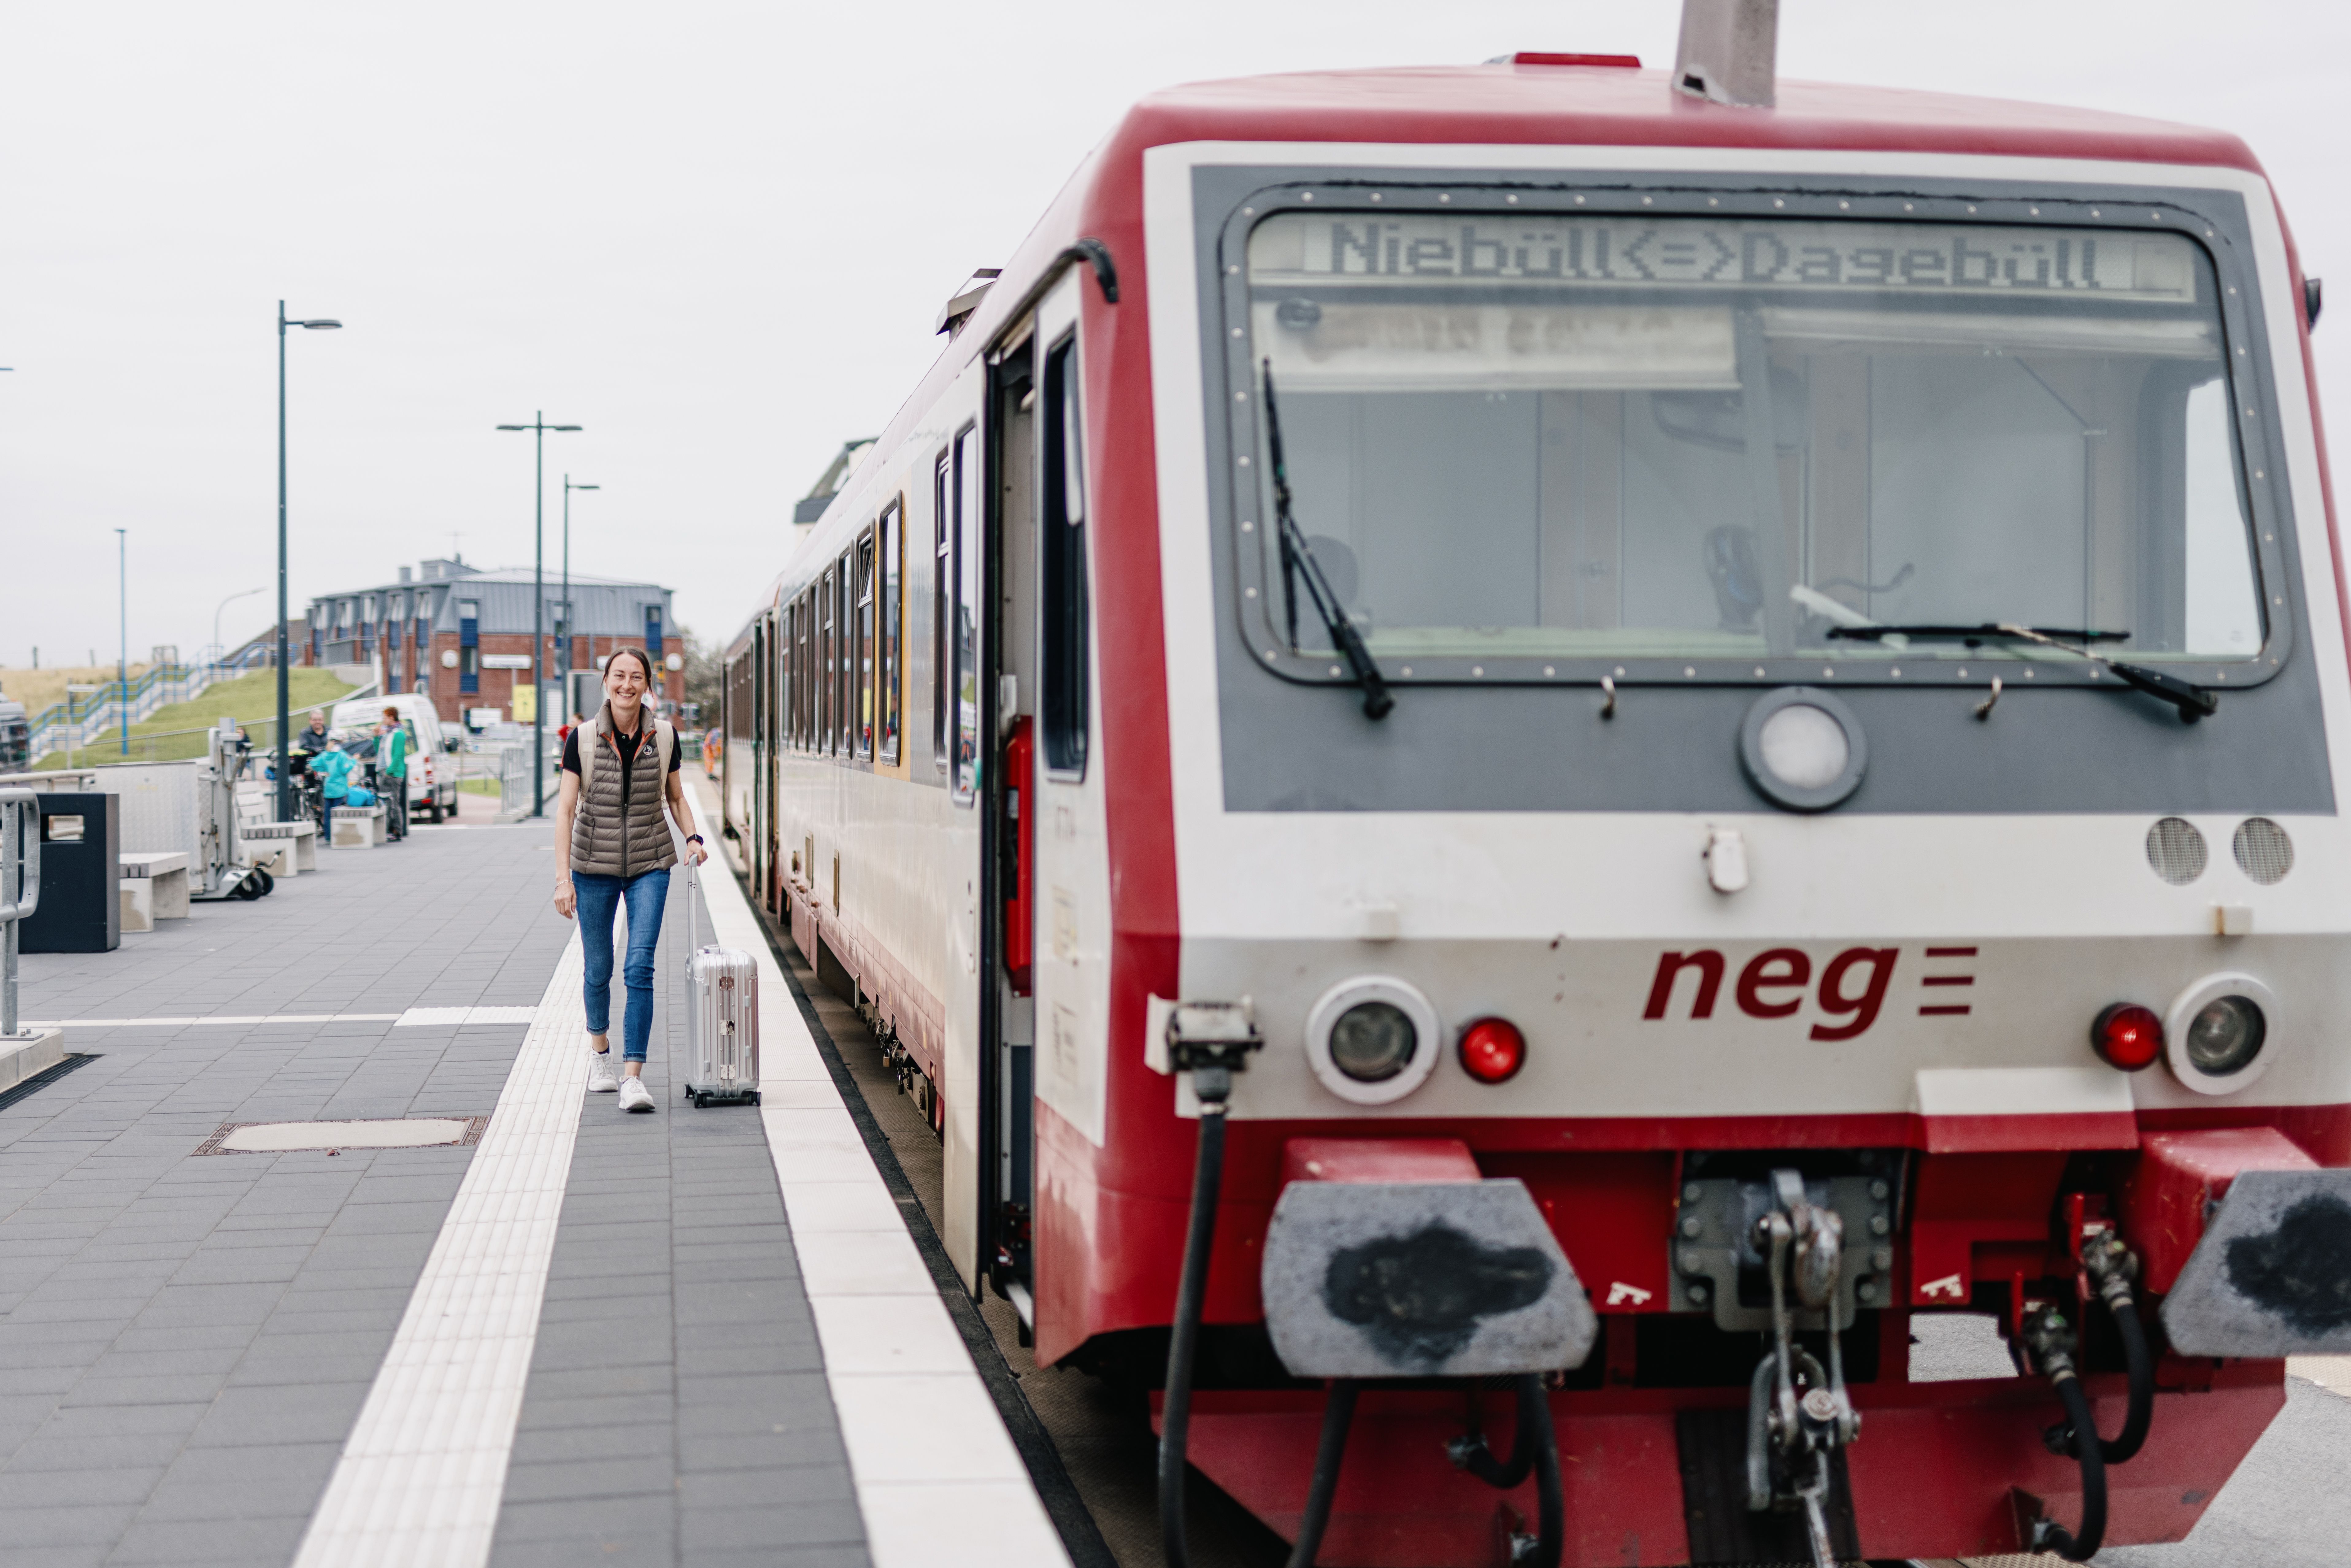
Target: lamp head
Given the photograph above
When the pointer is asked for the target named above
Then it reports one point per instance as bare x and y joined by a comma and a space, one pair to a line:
321, 325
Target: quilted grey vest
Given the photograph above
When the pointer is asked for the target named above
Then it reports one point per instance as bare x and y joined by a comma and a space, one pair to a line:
605, 841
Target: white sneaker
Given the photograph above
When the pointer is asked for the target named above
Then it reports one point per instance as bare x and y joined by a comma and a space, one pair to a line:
634, 1096
600, 1072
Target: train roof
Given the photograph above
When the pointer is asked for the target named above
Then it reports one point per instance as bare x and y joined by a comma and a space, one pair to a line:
1513, 103
1612, 106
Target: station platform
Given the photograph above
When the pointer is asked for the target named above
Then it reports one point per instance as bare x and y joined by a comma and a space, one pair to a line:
551, 1332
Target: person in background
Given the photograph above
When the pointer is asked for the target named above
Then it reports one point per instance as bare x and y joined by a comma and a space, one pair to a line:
392, 771
312, 740
710, 753
334, 767
612, 846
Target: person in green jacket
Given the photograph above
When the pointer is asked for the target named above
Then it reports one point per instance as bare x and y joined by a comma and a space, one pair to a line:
392, 771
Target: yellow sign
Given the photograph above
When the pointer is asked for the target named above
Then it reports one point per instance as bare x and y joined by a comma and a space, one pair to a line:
526, 703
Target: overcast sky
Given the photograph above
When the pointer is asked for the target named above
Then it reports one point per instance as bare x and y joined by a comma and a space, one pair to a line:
715, 235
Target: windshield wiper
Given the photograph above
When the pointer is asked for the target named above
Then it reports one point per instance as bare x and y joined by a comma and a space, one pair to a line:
2192, 701
1988, 631
1297, 555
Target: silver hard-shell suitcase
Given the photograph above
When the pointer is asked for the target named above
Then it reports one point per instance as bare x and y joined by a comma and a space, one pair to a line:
722, 1020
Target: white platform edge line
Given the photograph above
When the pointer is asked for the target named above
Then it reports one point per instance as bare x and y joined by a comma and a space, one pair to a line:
425, 1463
895, 1535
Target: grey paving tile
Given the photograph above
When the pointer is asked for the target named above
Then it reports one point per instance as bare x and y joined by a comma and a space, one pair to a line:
186, 1541
67, 1525
765, 1484
558, 1481
651, 1444
826, 1523
113, 1484
45, 1454
280, 1413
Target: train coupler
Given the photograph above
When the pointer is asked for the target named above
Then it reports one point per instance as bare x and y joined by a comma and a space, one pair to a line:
1792, 1438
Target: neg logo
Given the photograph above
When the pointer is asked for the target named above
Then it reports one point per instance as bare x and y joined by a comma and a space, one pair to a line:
1851, 990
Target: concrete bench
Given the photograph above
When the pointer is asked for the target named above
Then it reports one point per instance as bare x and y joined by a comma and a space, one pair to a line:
283, 849
356, 826
153, 886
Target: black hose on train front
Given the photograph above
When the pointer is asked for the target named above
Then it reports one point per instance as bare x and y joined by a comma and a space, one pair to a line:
2051, 1344
2110, 1267
1213, 1084
1533, 1448
1338, 1415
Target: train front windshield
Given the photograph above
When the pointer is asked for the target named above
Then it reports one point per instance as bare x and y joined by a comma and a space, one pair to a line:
1521, 439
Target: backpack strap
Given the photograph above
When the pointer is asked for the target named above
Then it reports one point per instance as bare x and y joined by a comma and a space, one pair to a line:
665, 741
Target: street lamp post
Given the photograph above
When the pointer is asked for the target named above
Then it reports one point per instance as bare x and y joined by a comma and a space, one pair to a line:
539, 427
122, 652
566, 659
232, 599
285, 777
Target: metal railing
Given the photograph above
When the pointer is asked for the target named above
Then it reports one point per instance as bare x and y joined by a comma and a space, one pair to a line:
89, 711
20, 882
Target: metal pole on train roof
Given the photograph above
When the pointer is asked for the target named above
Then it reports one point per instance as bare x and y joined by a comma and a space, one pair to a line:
539, 427
285, 778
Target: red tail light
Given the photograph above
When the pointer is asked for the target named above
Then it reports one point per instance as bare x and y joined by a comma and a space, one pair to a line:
1493, 1050
2127, 1036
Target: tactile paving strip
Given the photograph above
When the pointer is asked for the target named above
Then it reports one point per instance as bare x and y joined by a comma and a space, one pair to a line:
421, 1473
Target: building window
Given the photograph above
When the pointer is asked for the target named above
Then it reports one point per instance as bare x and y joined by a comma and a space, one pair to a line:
886, 615
654, 631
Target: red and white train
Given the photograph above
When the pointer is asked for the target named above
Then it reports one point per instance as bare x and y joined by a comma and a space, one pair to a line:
1701, 729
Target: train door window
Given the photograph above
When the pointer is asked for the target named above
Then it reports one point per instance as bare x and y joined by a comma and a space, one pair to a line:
887, 574
866, 641
966, 695
942, 586
1061, 570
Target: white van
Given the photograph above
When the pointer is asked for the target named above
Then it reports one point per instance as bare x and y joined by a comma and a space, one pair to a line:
432, 767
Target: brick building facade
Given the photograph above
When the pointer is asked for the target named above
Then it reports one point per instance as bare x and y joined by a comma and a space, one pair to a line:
464, 635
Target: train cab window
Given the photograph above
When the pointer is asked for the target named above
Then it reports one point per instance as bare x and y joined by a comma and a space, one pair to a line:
942, 587
965, 693
887, 574
862, 640
1684, 438
1062, 574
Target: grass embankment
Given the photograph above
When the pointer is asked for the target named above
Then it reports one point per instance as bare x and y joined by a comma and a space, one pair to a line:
42, 689
251, 700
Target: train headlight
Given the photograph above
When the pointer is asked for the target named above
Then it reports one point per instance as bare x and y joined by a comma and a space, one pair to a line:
1802, 748
2218, 1033
2225, 1035
1372, 1039
2127, 1036
1372, 1042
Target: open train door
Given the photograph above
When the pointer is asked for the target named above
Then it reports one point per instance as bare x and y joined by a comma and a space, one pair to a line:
1045, 855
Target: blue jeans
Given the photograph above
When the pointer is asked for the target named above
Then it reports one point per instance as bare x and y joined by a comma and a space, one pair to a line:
600, 898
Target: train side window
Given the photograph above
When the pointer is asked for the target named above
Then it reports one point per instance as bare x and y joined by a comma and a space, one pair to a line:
942, 582
844, 645
1061, 578
965, 692
888, 575
866, 640
824, 662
